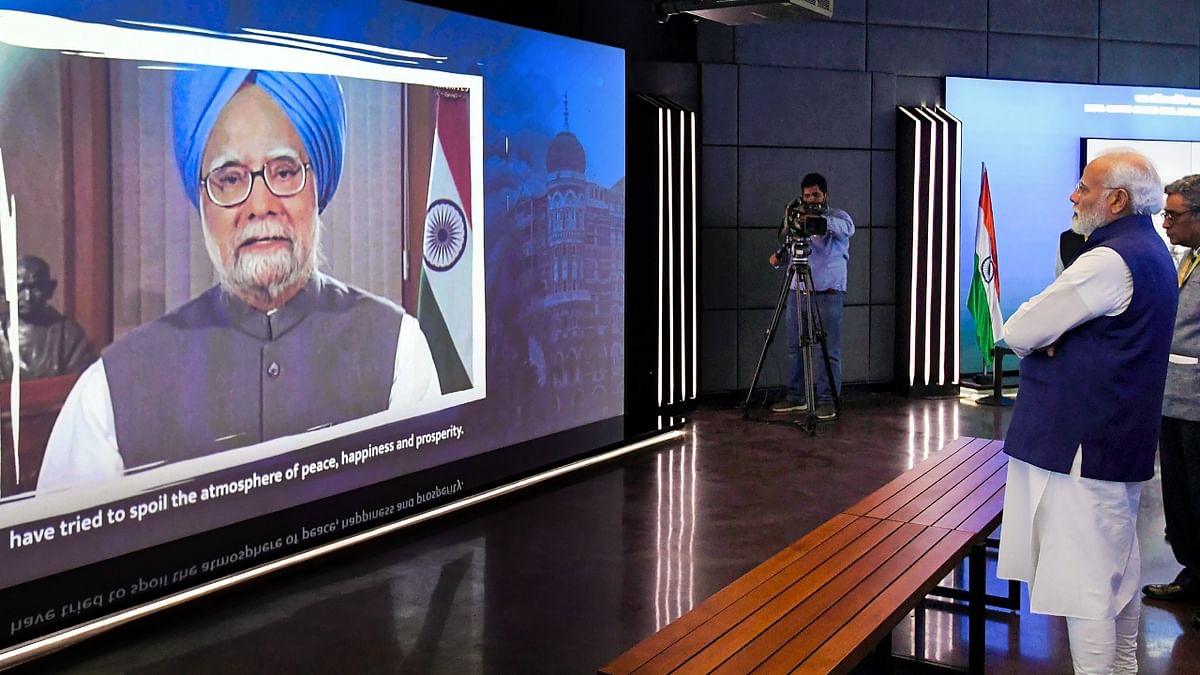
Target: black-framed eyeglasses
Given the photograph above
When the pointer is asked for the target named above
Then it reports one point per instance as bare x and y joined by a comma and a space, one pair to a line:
1171, 216
231, 185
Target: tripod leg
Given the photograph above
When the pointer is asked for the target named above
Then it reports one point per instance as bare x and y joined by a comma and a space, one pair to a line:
770, 337
804, 310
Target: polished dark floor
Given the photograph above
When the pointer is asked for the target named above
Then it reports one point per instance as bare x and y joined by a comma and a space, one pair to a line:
563, 578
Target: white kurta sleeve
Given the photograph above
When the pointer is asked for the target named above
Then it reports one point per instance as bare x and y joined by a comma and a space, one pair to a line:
1097, 284
414, 377
83, 443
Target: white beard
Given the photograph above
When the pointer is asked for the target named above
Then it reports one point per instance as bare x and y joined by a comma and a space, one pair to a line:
1087, 222
264, 277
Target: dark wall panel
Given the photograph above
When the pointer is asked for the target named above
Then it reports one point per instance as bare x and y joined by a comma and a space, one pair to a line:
883, 341
718, 186
856, 337
768, 178
718, 350
883, 265
1071, 18
758, 283
858, 272
850, 10
926, 51
676, 81
883, 189
883, 110
719, 97
1141, 63
964, 14
714, 42
803, 44
911, 90
1173, 21
719, 261
751, 327
1044, 58
777, 106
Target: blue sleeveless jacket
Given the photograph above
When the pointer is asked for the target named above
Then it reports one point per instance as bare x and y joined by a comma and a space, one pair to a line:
1103, 387
217, 374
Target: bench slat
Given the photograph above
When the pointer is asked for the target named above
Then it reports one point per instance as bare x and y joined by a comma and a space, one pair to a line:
808, 613
723, 637
955, 492
987, 517
864, 505
832, 606
764, 599
973, 503
647, 649
860, 635
930, 485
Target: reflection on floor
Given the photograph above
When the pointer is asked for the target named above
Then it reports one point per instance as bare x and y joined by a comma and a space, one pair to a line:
565, 577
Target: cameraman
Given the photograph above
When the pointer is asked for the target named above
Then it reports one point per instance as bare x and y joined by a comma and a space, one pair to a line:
827, 261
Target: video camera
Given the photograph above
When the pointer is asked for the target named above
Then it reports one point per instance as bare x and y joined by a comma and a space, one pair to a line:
806, 220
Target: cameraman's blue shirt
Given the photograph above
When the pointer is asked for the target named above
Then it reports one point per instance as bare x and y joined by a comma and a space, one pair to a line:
831, 252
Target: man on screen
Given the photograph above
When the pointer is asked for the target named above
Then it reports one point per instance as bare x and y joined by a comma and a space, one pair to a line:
277, 347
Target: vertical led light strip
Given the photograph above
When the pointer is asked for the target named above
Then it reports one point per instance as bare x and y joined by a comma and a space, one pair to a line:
682, 230
929, 211
957, 244
658, 371
912, 303
943, 271
695, 300
670, 260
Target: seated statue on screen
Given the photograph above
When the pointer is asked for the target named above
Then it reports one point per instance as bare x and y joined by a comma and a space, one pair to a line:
50, 344
276, 347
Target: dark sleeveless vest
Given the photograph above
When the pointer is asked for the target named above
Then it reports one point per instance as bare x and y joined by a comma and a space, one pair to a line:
1103, 387
217, 374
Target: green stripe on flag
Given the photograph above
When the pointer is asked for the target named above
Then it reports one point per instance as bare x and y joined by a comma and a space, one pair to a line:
977, 304
451, 373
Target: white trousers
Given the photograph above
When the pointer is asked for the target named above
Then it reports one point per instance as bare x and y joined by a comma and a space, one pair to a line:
1106, 646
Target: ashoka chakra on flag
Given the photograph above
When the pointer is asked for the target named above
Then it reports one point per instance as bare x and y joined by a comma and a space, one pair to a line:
445, 235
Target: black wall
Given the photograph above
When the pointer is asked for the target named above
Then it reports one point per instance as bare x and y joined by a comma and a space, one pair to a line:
781, 100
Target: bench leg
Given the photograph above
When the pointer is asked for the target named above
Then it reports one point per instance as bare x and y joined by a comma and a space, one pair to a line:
976, 619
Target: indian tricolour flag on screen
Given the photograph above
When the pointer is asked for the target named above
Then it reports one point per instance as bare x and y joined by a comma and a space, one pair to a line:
444, 305
984, 299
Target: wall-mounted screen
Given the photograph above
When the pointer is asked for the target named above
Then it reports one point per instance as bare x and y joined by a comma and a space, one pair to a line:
1028, 134
255, 257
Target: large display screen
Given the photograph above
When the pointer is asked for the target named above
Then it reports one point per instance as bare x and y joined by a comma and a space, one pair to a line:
253, 258
1029, 135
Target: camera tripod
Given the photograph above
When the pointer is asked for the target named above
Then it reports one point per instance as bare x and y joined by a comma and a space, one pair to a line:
811, 330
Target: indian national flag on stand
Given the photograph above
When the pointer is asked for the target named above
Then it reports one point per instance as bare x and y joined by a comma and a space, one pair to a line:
444, 306
984, 299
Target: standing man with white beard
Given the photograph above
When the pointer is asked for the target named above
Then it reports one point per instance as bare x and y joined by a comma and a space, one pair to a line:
1084, 431
277, 347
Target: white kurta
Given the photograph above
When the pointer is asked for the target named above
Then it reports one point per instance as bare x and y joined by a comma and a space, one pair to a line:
1072, 539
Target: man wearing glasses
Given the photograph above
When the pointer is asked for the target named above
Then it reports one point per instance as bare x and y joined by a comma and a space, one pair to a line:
1179, 445
276, 348
1085, 428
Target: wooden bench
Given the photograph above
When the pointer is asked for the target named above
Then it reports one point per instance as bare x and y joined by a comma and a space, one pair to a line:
823, 604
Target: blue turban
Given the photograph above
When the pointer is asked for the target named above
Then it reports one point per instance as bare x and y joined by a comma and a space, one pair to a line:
313, 103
